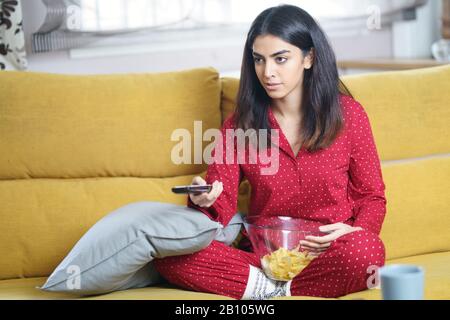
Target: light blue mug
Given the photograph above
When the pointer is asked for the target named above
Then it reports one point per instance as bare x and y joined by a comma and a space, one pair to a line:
402, 282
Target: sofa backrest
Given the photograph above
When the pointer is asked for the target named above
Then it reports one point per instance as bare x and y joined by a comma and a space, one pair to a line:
410, 116
73, 148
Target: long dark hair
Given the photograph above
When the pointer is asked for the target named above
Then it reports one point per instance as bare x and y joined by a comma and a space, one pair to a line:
322, 118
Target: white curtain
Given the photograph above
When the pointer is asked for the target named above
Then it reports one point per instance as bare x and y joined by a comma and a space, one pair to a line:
72, 23
355, 8
108, 15
12, 40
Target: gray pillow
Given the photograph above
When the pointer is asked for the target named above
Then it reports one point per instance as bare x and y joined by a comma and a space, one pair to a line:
117, 252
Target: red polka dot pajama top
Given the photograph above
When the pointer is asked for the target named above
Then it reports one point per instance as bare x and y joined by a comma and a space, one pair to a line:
342, 183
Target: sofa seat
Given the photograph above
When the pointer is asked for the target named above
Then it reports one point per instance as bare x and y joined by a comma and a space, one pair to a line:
437, 286
25, 289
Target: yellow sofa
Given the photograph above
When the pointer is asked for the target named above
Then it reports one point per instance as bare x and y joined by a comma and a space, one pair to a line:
73, 148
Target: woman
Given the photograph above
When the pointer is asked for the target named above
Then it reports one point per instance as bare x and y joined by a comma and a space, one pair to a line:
329, 169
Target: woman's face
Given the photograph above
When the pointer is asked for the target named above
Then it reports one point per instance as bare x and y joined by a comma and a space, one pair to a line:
279, 66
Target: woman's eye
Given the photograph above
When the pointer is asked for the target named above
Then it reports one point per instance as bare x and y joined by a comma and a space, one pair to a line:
277, 59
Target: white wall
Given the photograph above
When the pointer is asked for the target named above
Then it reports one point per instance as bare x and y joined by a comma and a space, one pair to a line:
413, 39
226, 58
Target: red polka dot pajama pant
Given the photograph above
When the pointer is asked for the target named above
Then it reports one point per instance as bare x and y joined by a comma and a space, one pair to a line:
343, 269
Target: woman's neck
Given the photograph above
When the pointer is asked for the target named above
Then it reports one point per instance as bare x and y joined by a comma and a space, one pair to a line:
289, 107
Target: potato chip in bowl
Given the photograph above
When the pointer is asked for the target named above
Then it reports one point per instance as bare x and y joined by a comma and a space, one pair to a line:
284, 264
276, 241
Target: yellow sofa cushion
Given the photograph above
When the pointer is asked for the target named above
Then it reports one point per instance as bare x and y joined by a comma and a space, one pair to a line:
409, 110
418, 207
230, 87
68, 126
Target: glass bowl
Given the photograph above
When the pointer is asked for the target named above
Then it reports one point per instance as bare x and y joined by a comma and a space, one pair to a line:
276, 242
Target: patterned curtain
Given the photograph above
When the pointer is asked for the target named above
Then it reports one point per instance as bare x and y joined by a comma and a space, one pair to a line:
12, 40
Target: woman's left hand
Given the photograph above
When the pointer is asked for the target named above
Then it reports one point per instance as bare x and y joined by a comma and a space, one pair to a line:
318, 245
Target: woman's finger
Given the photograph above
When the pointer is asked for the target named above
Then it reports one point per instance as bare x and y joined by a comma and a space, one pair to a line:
202, 200
198, 181
308, 248
218, 190
331, 227
212, 195
315, 254
325, 239
209, 198
197, 198
312, 249
314, 245
312, 253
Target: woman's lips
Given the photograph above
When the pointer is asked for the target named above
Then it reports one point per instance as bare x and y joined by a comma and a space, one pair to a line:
273, 86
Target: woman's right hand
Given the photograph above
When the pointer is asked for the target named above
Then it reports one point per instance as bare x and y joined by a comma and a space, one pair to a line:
206, 199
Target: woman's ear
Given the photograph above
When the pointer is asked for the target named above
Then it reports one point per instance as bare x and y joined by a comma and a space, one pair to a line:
309, 59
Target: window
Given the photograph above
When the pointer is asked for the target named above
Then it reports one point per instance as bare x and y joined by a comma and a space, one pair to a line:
103, 15
86, 20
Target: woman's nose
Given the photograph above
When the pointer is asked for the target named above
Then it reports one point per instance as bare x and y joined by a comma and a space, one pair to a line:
269, 71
